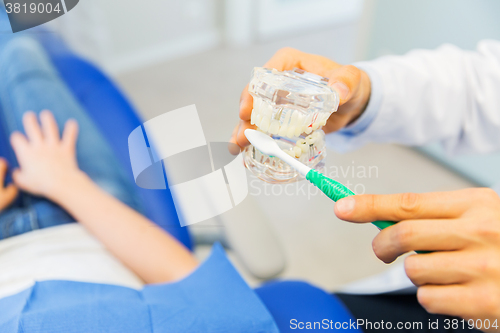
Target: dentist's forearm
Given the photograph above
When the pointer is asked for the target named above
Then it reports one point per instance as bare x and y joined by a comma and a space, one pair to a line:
151, 253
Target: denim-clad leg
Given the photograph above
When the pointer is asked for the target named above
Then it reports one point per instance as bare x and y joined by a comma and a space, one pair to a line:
28, 81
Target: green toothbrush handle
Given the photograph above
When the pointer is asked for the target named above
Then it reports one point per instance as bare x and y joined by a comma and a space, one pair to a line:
336, 191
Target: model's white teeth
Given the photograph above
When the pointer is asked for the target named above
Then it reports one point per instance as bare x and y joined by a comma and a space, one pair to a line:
266, 110
302, 144
294, 118
265, 123
301, 120
257, 103
318, 135
314, 121
297, 151
324, 119
274, 127
309, 119
283, 130
292, 123
310, 140
298, 130
258, 120
290, 152
287, 118
252, 117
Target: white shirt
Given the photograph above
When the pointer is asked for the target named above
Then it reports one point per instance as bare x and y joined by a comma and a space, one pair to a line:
446, 95
66, 252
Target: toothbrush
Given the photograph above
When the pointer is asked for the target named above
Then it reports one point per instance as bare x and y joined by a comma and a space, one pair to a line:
333, 189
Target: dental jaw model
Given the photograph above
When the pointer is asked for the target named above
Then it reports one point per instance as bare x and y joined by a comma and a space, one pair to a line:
291, 107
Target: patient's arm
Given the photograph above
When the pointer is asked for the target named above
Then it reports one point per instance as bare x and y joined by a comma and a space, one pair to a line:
7, 193
48, 167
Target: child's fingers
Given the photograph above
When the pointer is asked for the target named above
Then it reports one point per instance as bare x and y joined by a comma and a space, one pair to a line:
32, 128
8, 195
49, 127
19, 144
70, 134
18, 178
3, 170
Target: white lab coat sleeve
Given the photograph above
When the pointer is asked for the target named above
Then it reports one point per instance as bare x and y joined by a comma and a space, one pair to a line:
446, 95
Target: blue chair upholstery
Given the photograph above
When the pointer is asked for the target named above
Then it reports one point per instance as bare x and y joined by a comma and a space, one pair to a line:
294, 304
116, 119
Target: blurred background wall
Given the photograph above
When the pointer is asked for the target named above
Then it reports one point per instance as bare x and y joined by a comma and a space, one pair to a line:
126, 35
123, 36
395, 27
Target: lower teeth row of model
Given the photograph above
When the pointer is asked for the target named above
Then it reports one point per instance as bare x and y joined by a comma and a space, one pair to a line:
287, 123
303, 146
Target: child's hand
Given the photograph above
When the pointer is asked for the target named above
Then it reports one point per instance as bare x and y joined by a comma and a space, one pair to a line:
47, 161
8, 193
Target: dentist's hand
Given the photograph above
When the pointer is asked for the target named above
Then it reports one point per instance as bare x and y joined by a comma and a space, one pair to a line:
7, 193
352, 84
461, 277
47, 161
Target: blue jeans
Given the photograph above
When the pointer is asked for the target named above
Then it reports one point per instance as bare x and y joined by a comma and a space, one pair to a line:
28, 81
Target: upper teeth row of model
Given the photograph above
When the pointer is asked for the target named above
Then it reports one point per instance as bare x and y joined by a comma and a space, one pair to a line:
288, 123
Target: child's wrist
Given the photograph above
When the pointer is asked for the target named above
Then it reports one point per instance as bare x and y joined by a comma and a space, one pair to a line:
67, 185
